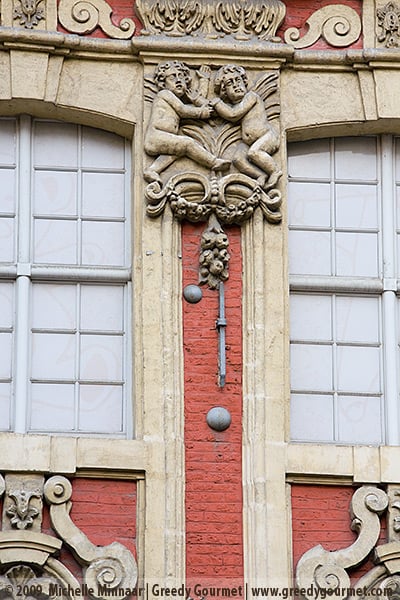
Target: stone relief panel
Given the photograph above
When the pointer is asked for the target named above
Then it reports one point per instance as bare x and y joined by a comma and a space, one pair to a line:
329, 571
388, 20
211, 139
241, 19
29, 557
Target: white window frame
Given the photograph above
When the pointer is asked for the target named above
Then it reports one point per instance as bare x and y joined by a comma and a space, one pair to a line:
387, 286
24, 273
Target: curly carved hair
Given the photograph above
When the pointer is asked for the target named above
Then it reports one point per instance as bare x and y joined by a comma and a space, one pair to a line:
164, 68
222, 75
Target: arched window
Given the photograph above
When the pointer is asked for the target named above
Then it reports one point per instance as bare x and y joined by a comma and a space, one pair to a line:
344, 264
64, 278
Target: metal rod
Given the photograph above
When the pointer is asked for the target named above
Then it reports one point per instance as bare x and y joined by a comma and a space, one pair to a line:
220, 326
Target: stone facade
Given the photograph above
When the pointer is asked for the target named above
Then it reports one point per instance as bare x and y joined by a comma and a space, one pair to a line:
209, 95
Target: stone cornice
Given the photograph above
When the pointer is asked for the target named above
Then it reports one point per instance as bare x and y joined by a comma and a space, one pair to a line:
150, 49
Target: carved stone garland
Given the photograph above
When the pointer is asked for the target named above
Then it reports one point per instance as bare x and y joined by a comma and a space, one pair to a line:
319, 569
212, 142
27, 556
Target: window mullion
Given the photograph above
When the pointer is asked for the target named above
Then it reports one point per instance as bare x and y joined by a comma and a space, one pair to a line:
21, 362
389, 300
24, 188
390, 351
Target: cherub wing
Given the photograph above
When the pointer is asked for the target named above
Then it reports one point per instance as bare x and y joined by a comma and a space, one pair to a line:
150, 89
267, 87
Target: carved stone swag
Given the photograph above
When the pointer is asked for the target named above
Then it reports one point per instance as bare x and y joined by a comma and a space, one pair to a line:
29, 562
330, 571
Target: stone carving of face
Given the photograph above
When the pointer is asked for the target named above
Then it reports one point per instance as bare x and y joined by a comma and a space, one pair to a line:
175, 81
234, 87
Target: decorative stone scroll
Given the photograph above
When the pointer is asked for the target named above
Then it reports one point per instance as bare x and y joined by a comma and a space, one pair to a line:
212, 142
389, 24
325, 570
241, 18
83, 16
337, 24
27, 556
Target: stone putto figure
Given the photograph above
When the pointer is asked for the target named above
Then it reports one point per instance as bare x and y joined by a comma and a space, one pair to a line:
260, 140
173, 102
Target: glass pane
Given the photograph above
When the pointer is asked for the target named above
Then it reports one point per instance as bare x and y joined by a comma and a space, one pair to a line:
309, 204
5, 402
101, 408
6, 305
55, 144
360, 420
53, 356
309, 160
6, 355
7, 239
356, 206
101, 149
52, 407
310, 317
355, 158
310, 253
357, 254
312, 418
359, 369
55, 193
101, 358
54, 306
103, 244
7, 191
103, 195
102, 307
311, 367
55, 242
8, 142
357, 319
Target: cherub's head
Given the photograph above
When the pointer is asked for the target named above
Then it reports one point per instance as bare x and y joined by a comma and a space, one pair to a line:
173, 75
231, 83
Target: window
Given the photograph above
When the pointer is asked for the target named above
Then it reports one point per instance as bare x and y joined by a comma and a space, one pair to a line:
64, 279
344, 248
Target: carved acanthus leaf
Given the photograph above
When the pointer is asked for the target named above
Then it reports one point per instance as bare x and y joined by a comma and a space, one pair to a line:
241, 18
29, 13
83, 16
339, 25
389, 23
328, 570
23, 501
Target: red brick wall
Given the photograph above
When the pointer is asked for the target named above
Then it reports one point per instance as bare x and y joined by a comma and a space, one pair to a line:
321, 515
105, 510
298, 11
213, 460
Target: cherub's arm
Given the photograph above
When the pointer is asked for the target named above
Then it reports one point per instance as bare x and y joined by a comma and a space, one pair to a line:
199, 96
186, 111
234, 112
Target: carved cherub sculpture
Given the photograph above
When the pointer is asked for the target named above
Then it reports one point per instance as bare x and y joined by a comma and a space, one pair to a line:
175, 100
236, 104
